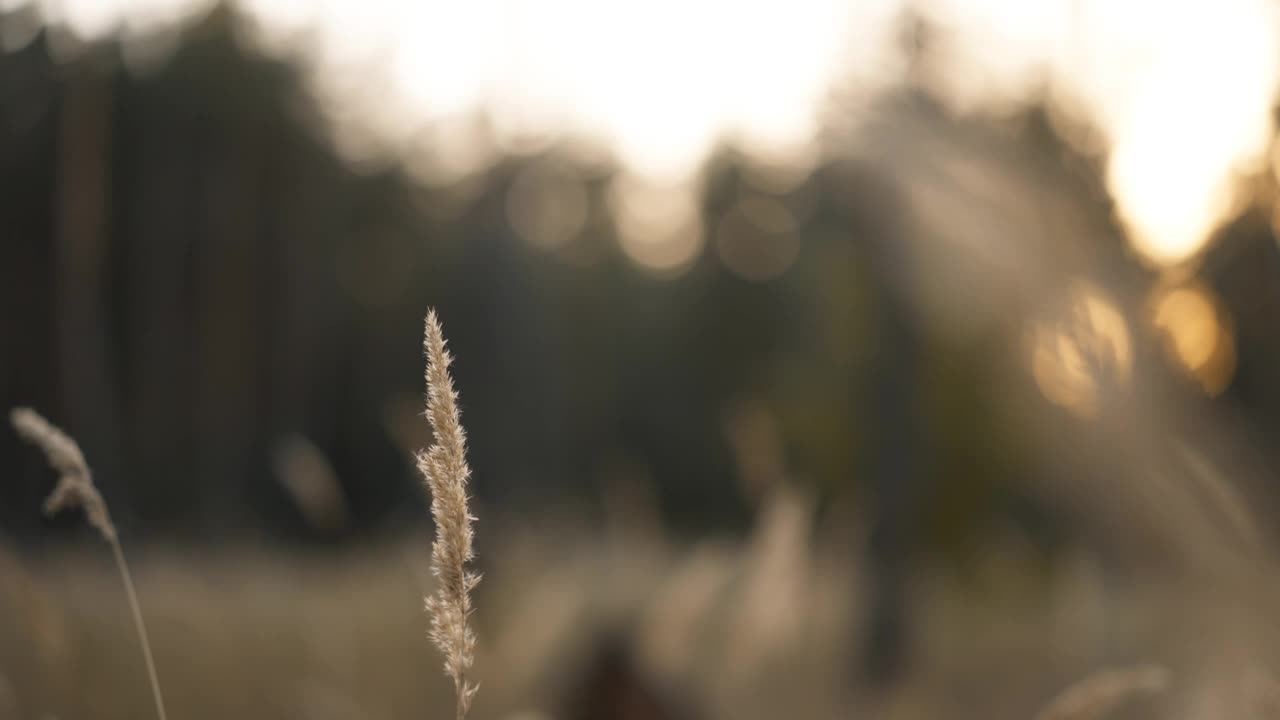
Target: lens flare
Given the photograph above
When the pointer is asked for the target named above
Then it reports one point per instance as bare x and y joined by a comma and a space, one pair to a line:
659, 224
1198, 337
1075, 355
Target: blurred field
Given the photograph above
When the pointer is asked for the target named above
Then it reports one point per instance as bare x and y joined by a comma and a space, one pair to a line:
628, 628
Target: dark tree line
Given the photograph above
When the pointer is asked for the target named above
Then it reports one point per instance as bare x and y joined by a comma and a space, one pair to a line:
188, 274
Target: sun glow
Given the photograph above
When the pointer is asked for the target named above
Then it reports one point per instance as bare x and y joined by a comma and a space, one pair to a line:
1199, 117
1182, 92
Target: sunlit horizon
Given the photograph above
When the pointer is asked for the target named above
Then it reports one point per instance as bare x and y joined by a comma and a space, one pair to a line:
1183, 93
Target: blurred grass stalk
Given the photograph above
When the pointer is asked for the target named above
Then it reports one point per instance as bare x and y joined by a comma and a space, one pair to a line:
75, 488
1103, 690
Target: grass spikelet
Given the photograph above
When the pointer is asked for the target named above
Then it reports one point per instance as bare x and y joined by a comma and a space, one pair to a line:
1101, 691
444, 468
75, 488
75, 483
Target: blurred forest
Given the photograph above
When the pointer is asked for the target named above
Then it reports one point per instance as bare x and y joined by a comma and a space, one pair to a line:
206, 296
732, 443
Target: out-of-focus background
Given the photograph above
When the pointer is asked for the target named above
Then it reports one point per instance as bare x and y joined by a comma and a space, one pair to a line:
877, 359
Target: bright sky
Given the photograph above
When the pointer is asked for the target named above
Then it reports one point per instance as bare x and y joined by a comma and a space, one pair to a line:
1183, 90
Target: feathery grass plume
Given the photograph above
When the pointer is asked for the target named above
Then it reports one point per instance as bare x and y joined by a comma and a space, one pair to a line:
1101, 691
444, 467
75, 488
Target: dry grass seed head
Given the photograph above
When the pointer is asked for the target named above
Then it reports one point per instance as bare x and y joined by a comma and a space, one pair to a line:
75, 486
445, 470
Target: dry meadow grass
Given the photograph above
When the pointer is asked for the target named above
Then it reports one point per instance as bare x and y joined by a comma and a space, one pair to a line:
625, 622
261, 633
